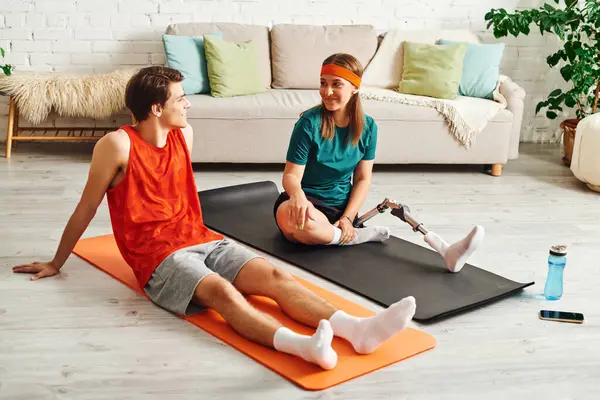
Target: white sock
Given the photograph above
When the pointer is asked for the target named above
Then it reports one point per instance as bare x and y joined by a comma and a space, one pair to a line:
362, 235
436, 242
315, 349
337, 233
366, 334
456, 255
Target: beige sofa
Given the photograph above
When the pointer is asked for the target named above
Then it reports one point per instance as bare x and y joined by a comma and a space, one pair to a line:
257, 128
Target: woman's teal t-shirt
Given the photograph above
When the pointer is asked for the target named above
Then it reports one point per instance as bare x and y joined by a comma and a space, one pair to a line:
329, 164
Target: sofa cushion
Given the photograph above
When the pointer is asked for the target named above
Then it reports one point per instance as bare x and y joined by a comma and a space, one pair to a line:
289, 103
432, 70
385, 69
186, 54
298, 51
481, 69
233, 32
232, 68
274, 103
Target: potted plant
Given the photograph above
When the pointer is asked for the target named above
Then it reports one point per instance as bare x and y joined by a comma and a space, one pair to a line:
6, 68
577, 24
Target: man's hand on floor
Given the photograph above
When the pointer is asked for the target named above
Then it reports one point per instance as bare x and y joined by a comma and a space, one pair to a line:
40, 269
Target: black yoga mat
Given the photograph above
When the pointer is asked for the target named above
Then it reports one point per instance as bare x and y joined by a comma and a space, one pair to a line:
382, 272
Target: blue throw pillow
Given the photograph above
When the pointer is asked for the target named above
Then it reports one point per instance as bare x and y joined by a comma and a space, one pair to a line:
481, 69
186, 54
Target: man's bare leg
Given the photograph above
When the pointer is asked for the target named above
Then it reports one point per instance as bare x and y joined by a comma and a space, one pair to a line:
214, 292
217, 293
259, 277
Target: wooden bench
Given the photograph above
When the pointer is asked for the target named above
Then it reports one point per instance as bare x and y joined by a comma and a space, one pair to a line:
14, 132
40, 93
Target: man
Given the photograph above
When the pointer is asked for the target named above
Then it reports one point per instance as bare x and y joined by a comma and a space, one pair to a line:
146, 173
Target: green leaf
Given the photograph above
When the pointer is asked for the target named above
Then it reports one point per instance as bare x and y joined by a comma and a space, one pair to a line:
548, 7
512, 28
566, 72
560, 31
553, 59
570, 52
2, 51
555, 92
570, 101
570, 3
551, 114
574, 25
540, 105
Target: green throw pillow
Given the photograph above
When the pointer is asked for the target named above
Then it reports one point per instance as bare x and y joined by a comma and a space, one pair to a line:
186, 54
481, 69
232, 68
432, 70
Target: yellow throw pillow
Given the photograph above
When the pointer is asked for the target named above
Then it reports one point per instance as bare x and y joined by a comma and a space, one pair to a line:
432, 70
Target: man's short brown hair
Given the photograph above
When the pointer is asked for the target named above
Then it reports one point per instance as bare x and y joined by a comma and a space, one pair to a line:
149, 86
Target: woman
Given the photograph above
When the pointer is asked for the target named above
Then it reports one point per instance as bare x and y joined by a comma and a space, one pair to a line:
329, 163
328, 171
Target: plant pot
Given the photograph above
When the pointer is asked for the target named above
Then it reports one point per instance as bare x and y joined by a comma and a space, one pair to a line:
569, 127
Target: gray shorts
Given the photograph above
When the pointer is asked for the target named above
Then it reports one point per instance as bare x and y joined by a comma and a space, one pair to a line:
174, 281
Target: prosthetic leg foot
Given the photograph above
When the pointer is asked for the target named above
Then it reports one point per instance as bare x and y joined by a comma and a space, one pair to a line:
456, 255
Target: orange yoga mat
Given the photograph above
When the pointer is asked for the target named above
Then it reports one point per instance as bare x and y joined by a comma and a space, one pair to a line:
103, 253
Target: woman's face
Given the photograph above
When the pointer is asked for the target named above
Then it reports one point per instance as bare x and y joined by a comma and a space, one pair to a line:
335, 92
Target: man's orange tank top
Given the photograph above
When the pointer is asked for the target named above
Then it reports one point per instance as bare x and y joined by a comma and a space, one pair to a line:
155, 209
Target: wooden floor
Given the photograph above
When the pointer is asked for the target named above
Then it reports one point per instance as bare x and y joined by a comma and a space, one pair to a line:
83, 335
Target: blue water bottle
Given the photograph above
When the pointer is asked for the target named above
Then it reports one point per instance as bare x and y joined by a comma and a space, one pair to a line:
556, 265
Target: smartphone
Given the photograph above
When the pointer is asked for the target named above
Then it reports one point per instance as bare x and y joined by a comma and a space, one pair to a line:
562, 316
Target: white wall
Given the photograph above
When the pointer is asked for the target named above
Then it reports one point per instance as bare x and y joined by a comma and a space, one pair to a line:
99, 35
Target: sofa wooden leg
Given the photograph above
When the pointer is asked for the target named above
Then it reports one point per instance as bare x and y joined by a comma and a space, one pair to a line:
496, 169
11, 124
595, 188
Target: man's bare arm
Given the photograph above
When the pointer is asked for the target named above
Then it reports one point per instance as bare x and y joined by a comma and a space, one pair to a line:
188, 134
107, 158
106, 161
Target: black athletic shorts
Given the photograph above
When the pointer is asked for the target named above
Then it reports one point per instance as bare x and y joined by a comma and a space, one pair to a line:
333, 214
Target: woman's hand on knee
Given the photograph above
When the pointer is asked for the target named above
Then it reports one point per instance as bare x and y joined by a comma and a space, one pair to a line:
300, 210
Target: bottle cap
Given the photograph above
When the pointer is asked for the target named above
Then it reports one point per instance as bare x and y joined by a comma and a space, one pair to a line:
558, 250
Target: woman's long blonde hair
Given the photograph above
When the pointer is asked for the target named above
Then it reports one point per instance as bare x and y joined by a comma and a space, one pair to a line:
354, 106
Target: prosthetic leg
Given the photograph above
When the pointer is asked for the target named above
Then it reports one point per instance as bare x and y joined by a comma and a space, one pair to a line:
455, 255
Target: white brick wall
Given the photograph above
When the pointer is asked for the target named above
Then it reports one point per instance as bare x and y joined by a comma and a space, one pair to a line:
100, 35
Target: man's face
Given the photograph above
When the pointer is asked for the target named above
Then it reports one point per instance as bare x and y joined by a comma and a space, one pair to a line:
174, 112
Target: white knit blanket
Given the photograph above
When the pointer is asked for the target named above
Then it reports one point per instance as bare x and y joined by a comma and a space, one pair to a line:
466, 116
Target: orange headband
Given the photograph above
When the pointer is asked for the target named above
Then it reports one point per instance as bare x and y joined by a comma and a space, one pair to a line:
332, 69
